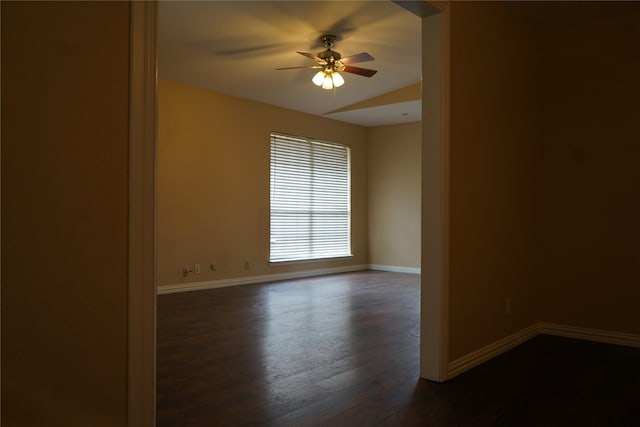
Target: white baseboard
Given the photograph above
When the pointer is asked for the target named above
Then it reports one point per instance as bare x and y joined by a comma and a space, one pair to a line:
395, 269
475, 358
490, 351
223, 283
598, 335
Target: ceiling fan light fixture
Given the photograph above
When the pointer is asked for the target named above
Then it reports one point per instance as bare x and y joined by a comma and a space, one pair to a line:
318, 78
328, 82
338, 80
328, 79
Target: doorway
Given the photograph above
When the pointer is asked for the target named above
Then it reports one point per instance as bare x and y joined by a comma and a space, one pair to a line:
142, 286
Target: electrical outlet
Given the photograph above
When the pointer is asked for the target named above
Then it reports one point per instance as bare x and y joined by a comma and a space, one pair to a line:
212, 266
507, 305
197, 268
187, 271
247, 265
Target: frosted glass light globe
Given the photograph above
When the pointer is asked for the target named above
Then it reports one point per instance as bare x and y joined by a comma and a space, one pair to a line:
337, 79
318, 78
328, 82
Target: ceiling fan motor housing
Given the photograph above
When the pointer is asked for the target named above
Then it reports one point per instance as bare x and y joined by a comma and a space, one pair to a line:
331, 57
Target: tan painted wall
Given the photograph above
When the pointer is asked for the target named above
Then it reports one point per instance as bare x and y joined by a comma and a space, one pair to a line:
492, 176
64, 213
590, 185
544, 168
213, 184
394, 194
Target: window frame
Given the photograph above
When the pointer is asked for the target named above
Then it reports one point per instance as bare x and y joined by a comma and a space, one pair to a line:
312, 143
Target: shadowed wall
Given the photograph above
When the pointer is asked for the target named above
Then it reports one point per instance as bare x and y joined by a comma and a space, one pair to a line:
65, 106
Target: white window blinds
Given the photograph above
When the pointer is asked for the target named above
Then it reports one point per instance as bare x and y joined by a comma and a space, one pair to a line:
310, 199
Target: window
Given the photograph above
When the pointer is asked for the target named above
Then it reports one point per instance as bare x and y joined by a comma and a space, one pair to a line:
310, 199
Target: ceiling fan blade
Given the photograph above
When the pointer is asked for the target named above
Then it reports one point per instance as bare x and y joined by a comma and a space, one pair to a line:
360, 71
312, 56
295, 68
361, 57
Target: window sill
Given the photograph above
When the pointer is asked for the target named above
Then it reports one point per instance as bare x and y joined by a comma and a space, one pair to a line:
311, 260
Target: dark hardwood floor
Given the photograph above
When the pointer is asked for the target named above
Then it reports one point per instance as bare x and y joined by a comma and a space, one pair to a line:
342, 350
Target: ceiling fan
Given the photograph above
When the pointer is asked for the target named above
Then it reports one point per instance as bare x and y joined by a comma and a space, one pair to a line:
331, 63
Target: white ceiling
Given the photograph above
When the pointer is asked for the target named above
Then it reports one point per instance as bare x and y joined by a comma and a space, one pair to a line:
234, 47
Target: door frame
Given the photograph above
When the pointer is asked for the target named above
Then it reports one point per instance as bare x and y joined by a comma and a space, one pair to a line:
142, 208
435, 265
141, 393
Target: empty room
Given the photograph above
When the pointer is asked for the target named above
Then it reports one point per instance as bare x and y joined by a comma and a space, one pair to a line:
249, 331
302, 283
320, 213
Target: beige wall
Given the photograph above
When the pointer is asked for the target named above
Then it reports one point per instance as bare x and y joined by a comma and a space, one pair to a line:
64, 213
590, 169
213, 183
544, 169
492, 176
394, 195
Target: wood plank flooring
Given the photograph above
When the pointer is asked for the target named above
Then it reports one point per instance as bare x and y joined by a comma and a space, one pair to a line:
342, 350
